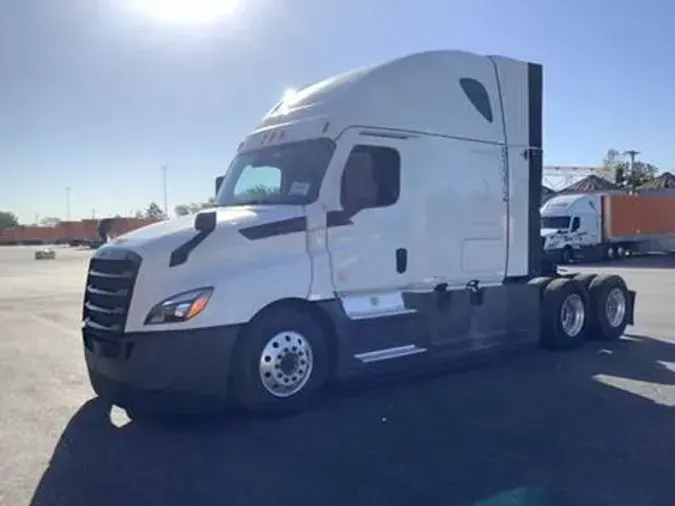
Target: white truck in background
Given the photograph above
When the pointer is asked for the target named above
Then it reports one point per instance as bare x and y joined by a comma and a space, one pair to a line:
381, 220
592, 227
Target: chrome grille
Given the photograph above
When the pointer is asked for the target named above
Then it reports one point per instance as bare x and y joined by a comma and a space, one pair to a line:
110, 284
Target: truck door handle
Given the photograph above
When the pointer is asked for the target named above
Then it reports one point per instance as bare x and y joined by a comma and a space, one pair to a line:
401, 260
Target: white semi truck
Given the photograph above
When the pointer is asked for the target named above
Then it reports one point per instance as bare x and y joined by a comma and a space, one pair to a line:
590, 227
381, 220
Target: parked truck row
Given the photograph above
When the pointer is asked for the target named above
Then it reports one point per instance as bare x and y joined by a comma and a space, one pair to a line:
74, 233
591, 227
379, 221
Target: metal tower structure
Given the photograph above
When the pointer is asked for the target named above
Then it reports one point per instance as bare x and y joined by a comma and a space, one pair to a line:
558, 177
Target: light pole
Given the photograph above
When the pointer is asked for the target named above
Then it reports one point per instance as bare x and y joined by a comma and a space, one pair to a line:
632, 154
67, 203
631, 166
166, 200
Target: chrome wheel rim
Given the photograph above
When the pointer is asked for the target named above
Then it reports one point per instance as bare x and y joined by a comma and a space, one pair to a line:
286, 364
615, 307
572, 315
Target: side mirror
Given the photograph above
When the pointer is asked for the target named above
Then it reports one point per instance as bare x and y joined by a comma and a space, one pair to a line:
205, 221
219, 183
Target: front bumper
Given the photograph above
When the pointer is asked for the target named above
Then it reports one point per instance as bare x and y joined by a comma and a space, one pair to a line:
553, 255
168, 371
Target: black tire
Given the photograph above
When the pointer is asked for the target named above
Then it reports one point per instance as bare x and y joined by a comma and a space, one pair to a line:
620, 252
553, 335
247, 385
584, 279
567, 255
542, 282
600, 326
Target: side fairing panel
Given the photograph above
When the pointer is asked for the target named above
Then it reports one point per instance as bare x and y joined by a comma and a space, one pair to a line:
521, 89
458, 224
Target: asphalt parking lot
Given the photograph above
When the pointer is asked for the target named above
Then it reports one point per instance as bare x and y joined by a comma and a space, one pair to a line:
591, 427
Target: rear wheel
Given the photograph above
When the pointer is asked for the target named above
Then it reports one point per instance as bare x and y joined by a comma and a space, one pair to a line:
609, 307
280, 362
564, 312
584, 279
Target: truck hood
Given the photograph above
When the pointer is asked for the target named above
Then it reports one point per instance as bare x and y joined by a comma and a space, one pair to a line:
548, 232
170, 234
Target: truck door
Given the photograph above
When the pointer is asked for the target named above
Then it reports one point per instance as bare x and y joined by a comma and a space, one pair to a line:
368, 234
576, 234
590, 224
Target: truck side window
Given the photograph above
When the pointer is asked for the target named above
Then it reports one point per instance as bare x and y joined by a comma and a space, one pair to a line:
576, 223
478, 96
371, 178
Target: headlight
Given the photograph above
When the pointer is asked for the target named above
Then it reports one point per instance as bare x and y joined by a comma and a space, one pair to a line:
181, 307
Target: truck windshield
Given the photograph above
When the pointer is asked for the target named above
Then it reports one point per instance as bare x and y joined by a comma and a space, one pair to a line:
289, 173
556, 222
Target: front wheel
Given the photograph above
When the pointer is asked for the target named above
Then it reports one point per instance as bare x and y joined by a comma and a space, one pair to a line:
280, 362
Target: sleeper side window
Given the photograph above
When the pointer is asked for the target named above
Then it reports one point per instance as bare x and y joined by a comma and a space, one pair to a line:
371, 178
576, 223
478, 96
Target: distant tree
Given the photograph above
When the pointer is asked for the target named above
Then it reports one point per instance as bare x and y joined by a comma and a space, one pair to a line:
257, 192
49, 221
182, 210
154, 212
192, 208
211, 202
642, 173
8, 220
617, 169
609, 165
139, 214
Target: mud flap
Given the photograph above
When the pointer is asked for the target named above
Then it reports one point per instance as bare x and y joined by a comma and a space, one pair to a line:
631, 307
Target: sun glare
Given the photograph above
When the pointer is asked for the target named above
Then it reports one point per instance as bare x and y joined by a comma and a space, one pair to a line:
186, 12
289, 96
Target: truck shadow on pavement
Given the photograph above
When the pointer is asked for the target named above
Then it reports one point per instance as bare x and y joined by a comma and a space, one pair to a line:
655, 261
581, 428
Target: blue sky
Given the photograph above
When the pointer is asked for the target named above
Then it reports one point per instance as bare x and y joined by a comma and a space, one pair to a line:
96, 96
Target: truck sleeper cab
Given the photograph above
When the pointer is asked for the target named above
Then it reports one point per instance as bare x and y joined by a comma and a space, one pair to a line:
378, 221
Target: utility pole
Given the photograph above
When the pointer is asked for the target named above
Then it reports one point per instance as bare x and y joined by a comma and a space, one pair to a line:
166, 200
67, 203
632, 153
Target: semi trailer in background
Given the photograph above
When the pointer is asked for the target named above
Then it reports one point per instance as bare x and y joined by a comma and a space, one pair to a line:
75, 233
592, 227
